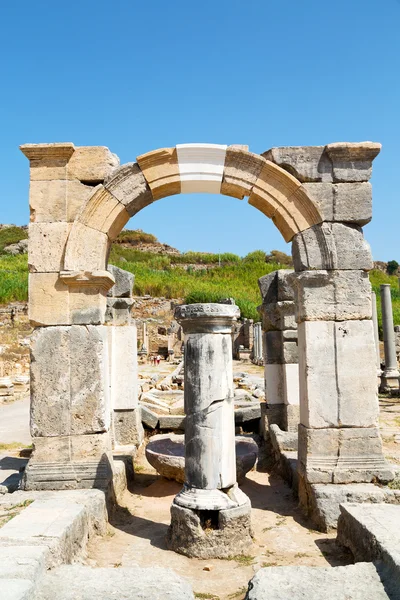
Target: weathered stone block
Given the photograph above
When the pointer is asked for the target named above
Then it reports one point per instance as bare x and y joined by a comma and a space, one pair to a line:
352, 161
124, 282
330, 393
127, 425
306, 163
48, 161
149, 418
278, 351
77, 196
86, 306
333, 295
342, 202
130, 187
92, 163
87, 249
118, 311
278, 316
241, 171
342, 455
331, 246
48, 299
123, 366
69, 381
274, 384
104, 213
48, 201
46, 246
276, 286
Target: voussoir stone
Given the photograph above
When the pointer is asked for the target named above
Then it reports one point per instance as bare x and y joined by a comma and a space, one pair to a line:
129, 186
331, 246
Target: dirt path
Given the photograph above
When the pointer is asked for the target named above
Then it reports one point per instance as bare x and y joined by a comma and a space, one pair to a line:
282, 537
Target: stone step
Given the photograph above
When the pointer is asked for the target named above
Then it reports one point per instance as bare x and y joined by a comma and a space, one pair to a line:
70, 582
353, 582
372, 533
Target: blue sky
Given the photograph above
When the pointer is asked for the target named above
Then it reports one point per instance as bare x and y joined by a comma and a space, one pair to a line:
138, 76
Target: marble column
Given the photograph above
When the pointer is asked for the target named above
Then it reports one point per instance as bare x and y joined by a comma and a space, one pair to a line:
390, 375
210, 463
376, 335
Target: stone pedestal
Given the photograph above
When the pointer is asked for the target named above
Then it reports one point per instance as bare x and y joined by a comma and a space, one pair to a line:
198, 525
390, 375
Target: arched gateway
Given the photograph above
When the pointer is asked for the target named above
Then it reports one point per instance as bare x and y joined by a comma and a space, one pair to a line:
318, 197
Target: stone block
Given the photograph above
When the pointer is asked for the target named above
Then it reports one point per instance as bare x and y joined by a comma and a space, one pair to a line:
78, 581
77, 196
171, 422
46, 246
278, 316
127, 425
161, 171
149, 418
123, 366
274, 384
69, 381
290, 374
331, 246
124, 282
337, 387
342, 202
276, 286
352, 161
22, 562
130, 187
249, 413
104, 213
358, 582
345, 455
87, 249
333, 295
118, 311
48, 201
323, 501
371, 532
241, 171
278, 351
48, 299
291, 417
92, 164
306, 163
86, 305
17, 589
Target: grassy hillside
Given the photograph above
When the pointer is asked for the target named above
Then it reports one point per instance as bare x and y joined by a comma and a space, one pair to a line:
170, 276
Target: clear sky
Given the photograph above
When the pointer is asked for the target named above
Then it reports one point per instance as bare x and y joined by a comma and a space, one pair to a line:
136, 76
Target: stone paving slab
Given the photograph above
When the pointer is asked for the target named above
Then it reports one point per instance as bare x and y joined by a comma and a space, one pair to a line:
354, 582
16, 589
372, 533
70, 582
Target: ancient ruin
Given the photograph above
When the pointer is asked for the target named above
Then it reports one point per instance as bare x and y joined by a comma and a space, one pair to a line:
316, 320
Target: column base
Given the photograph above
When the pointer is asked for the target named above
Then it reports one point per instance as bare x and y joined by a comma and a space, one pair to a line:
70, 463
210, 533
202, 499
342, 455
390, 380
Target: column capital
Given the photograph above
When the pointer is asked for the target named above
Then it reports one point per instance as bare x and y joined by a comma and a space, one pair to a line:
56, 151
207, 318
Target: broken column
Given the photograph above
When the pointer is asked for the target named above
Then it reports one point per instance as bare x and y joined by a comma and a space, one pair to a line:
122, 335
210, 517
281, 352
390, 375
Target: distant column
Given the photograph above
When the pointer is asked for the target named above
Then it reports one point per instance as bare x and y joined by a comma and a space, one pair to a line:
376, 334
390, 376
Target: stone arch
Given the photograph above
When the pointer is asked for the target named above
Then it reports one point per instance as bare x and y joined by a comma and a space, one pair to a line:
186, 168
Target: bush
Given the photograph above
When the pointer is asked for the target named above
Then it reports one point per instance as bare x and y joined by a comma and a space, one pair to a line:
135, 237
276, 256
392, 267
11, 235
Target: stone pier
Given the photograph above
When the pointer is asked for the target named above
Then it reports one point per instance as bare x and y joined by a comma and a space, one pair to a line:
281, 351
122, 338
210, 517
390, 375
